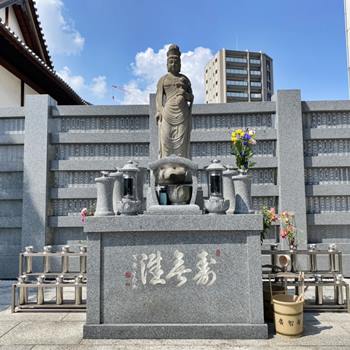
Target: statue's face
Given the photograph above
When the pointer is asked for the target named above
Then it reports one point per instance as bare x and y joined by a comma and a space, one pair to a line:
174, 65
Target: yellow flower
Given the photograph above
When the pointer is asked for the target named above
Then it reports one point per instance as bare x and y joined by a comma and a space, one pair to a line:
251, 132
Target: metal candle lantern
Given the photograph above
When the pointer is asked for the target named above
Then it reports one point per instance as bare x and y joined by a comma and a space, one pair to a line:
293, 259
46, 259
318, 290
273, 246
40, 295
59, 290
312, 257
78, 290
338, 289
332, 248
216, 203
82, 259
130, 204
23, 291
28, 258
65, 259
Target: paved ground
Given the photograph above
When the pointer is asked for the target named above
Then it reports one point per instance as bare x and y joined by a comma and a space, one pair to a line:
62, 330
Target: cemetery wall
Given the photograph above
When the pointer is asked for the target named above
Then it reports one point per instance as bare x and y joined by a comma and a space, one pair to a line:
50, 156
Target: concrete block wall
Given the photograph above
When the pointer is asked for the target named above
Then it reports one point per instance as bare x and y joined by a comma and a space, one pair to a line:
326, 126
65, 147
11, 188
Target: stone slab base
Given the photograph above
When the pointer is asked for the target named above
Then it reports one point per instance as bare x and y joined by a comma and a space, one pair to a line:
188, 209
175, 331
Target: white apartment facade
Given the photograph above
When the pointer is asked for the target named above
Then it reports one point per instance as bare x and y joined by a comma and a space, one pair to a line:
233, 76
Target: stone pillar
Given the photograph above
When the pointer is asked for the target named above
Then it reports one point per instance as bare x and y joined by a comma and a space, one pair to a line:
35, 230
290, 154
153, 129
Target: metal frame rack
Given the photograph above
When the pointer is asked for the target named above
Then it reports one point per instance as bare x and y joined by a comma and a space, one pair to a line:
31, 281
314, 277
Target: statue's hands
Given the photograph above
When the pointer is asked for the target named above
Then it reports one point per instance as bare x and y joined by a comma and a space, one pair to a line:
158, 117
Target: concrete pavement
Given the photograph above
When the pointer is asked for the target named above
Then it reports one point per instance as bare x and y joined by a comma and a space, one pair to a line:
63, 330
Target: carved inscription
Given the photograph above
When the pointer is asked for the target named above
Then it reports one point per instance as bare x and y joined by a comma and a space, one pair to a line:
259, 202
326, 176
10, 126
10, 208
11, 180
266, 176
13, 153
326, 147
78, 179
147, 269
326, 120
216, 149
327, 204
101, 151
102, 124
71, 207
232, 121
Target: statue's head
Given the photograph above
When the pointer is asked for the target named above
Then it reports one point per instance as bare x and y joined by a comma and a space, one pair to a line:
173, 59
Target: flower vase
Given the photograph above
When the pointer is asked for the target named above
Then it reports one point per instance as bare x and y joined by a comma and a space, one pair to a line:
243, 197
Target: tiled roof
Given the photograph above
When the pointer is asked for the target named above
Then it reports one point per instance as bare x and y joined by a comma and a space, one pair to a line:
20, 45
37, 22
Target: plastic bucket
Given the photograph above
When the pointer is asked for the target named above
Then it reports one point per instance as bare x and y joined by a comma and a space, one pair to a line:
289, 316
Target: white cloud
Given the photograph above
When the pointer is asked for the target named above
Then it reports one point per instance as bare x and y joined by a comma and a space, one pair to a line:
149, 66
59, 30
96, 89
76, 82
99, 86
134, 95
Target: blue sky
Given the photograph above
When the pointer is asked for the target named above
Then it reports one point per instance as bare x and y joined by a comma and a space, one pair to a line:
97, 44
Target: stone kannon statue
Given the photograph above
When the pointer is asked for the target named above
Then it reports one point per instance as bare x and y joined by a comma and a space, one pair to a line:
174, 101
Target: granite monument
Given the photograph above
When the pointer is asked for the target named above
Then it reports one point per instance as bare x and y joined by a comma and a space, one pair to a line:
174, 271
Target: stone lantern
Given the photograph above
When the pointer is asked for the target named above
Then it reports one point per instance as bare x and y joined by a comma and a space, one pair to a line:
130, 204
216, 204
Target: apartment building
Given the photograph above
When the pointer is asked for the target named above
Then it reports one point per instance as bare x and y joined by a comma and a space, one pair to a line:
233, 76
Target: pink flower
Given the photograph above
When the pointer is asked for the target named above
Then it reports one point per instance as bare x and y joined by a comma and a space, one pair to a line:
284, 233
83, 215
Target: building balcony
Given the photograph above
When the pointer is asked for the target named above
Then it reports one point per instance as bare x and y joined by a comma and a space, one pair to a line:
236, 72
240, 89
254, 62
236, 99
255, 88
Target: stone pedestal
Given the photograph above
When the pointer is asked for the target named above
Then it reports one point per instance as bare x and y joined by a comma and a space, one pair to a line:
174, 276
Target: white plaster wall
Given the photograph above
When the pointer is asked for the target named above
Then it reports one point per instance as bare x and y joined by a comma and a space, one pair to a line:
10, 89
2, 14
28, 91
13, 23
